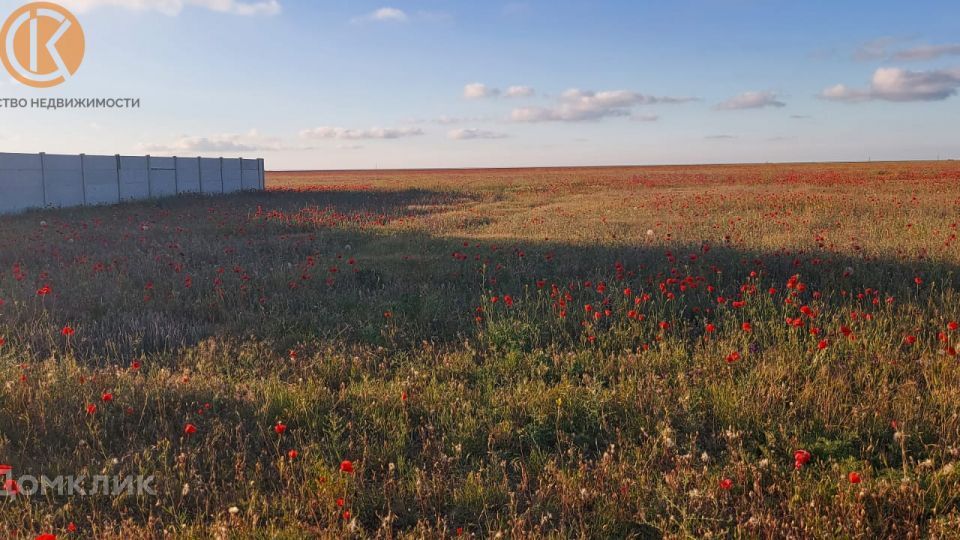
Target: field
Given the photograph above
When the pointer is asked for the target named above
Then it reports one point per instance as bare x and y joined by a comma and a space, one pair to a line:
758, 351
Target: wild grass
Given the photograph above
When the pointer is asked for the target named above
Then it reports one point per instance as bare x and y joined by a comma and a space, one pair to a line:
545, 353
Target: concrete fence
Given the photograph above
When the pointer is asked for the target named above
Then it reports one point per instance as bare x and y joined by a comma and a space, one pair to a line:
50, 180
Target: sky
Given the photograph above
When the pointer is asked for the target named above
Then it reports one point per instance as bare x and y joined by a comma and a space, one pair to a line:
355, 84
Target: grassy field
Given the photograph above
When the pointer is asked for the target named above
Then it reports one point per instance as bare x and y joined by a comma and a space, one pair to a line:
757, 351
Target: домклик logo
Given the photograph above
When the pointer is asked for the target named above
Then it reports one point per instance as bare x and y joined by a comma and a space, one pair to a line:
42, 44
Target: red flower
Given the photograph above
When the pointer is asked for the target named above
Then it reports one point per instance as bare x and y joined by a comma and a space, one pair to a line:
726, 484
952, 325
135, 365
733, 357
2, 342
508, 300
711, 328
346, 466
822, 345
45, 537
45, 290
107, 397
910, 339
292, 455
747, 327
346, 515
801, 458
67, 331
190, 429
280, 428
71, 527
91, 409
664, 325
854, 477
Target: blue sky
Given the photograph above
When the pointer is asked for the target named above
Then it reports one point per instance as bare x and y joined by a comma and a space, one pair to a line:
357, 84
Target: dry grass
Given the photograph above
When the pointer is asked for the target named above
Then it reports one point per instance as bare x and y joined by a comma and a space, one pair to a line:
603, 353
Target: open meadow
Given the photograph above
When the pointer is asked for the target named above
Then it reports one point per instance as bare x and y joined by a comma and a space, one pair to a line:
756, 351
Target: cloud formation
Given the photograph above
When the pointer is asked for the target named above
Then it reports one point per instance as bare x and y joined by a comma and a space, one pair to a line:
582, 105
250, 141
174, 7
327, 132
474, 133
751, 100
900, 85
927, 52
480, 91
384, 14
519, 91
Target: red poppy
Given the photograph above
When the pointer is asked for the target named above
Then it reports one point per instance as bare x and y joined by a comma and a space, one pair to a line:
346, 466
91, 409
135, 365
2, 342
107, 397
280, 428
801, 458
747, 327
190, 429
664, 325
292, 454
823, 344
854, 477
733, 357
45, 290
346, 515
45, 537
726, 484
711, 328
67, 331
952, 325
910, 339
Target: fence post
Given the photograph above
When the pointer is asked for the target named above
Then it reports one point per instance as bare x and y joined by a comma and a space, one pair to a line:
119, 195
43, 178
176, 176
263, 175
83, 179
149, 179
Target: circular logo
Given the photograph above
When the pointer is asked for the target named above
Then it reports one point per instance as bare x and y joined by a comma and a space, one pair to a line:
42, 44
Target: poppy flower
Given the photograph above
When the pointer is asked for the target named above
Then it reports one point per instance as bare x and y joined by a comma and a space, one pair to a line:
854, 477
747, 327
135, 365
107, 397
47, 536
823, 344
910, 339
2, 342
67, 331
726, 484
346, 515
733, 357
801, 458
292, 454
346, 466
190, 429
280, 428
91, 409
711, 328
953, 325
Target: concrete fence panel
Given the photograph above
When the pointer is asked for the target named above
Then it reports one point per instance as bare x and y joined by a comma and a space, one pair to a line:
188, 175
134, 176
63, 180
21, 182
101, 178
232, 178
54, 180
210, 179
163, 176
250, 173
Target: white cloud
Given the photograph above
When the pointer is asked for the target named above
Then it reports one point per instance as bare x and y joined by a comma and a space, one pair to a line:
876, 49
752, 100
174, 7
928, 52
384, 14
251, 141
327, 132
645, 117
895, 84
581, 105
479, 91
519, 91
474, 133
